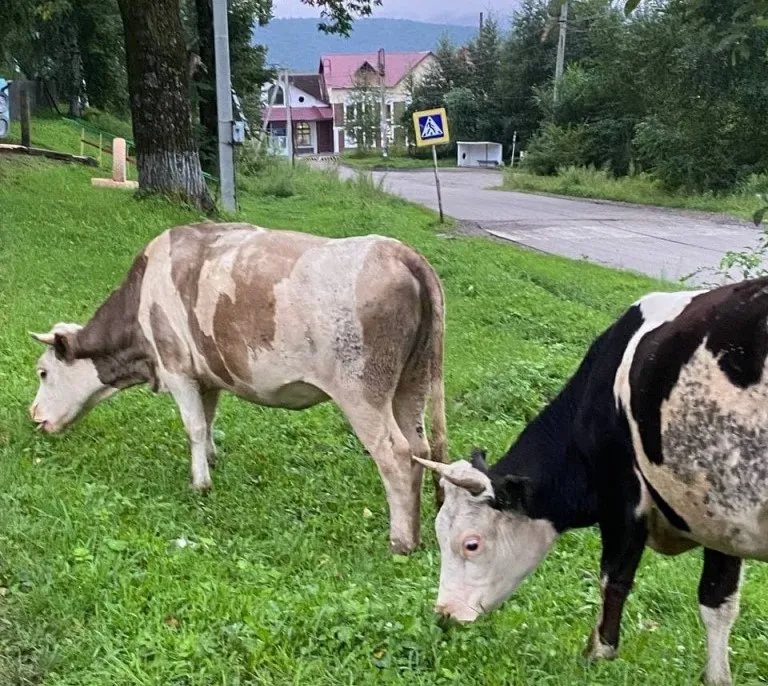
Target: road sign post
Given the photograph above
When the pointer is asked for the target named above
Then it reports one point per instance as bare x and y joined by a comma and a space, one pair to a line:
431, 128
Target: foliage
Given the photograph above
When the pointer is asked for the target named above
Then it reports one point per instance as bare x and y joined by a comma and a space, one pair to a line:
675, 89
555, 147
396, 159
363, 121
112, 572
641, 188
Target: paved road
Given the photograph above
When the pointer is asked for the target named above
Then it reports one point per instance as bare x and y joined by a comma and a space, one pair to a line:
662, 243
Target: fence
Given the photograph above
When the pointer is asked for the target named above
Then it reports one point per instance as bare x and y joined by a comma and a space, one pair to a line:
100, 140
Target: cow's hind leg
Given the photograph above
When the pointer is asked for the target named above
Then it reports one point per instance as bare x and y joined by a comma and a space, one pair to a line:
189, 399
210, 402
379, 432
408, 407
623, 544
719, 607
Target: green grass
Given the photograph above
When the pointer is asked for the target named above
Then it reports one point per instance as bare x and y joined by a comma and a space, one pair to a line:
641, 189
287, 581
64, 136
397, 159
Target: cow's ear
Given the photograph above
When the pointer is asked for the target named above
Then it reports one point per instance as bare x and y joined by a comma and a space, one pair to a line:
478, 460
512, 492
64, 346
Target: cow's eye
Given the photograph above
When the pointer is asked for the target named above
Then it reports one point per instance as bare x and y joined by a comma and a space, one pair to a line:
472, 544
42, 374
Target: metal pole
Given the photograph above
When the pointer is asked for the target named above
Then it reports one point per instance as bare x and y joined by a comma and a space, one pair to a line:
288, 119
383, 118
514, 145
560, 47
224, 105
437, 183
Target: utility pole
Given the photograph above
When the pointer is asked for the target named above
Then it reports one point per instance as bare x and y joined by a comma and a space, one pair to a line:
288, 119
481, 22
560, 48
224, 105
383, 92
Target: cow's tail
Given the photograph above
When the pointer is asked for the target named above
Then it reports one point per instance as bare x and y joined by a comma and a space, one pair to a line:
433, 308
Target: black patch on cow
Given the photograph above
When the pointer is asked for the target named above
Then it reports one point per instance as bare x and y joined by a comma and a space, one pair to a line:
732, 319
666, 509
578, 447
720, 578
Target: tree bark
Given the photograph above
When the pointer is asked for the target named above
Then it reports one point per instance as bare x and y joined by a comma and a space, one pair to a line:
167, 157
206, 91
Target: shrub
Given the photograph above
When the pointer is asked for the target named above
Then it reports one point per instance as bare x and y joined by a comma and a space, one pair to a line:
554, 147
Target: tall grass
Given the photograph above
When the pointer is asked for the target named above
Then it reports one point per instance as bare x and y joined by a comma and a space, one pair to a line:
642, 189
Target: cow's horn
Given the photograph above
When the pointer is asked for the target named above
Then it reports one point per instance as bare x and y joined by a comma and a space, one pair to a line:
47, 338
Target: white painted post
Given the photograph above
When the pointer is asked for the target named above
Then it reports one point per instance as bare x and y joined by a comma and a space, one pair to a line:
118, 160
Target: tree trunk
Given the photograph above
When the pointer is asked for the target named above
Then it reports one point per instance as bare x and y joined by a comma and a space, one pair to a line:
158, 83
206, 91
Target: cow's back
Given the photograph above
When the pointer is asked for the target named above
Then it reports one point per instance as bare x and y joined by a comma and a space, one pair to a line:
258, 311
697, 393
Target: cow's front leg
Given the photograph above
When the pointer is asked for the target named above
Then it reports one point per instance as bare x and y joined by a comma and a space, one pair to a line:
623, 544
210, 402
189, 399
719, 607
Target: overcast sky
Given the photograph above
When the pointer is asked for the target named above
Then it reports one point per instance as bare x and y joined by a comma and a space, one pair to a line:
436, 11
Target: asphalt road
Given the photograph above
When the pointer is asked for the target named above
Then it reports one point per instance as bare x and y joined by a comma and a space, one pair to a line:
662, 243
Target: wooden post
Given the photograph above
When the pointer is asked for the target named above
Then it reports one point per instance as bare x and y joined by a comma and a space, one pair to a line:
514, 146
82, 142
437, 183
101, 147
26, 118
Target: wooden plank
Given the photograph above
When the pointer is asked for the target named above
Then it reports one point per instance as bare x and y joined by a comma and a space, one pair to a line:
6, 148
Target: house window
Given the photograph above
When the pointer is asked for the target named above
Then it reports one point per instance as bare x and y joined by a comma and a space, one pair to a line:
276, 95
303, 133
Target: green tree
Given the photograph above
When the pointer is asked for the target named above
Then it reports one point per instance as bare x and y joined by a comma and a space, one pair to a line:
167, 156
363, 120
483, 54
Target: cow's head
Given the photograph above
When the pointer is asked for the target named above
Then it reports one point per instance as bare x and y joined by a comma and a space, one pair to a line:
69, 387
488, 544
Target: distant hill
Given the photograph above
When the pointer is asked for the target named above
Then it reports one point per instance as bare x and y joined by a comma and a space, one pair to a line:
296, 44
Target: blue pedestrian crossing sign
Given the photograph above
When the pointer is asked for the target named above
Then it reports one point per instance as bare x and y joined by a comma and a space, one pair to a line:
431, 127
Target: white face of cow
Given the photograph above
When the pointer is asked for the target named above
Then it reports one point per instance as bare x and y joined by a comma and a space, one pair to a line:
68, 389
485, 552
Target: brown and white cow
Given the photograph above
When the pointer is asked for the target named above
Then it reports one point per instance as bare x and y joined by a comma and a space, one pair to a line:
280, 318
659, 438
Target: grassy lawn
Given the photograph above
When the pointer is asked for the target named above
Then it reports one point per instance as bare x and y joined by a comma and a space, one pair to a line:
54, 134
640, 189
395, 160
284, 580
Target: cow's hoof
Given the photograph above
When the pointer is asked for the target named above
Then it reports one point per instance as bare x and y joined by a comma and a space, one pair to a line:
399, 547
201, 487
597, 650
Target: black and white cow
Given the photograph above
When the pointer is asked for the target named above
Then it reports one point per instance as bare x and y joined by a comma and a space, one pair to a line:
659, 438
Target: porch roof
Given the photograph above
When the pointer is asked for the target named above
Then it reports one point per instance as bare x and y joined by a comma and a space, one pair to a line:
302, 114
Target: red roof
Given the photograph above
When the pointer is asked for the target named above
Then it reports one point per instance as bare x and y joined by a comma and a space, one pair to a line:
302, 114
339, 70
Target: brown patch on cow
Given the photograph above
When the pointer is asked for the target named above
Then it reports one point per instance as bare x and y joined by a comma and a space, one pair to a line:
113, 338
169, 346
191, 247
246, 322
389, 307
